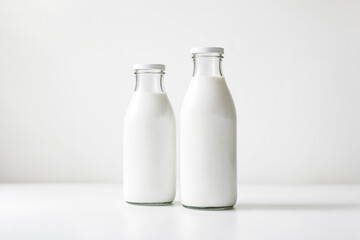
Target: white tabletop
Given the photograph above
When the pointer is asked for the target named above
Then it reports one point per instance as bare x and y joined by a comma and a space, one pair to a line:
97, 211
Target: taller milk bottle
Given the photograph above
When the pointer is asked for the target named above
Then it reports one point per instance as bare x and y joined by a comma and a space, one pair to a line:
208, 136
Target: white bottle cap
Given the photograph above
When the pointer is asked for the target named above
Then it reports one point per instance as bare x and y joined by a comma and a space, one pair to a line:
207, 50
149, 66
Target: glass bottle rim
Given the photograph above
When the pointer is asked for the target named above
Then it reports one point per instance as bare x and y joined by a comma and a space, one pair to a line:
207, 55
149, 71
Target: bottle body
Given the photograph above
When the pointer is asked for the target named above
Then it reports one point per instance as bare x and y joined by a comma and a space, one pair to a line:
208, 144
149, 149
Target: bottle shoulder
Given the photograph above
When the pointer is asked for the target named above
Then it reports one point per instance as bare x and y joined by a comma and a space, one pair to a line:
149, 105
208, 95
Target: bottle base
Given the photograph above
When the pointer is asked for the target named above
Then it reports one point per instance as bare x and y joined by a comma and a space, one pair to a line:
209, 208
149, 203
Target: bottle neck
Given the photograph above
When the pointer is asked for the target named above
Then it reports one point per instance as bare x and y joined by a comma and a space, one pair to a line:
149, 80
207, 64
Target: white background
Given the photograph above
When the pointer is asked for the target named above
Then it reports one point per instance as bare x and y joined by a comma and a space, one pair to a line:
293, 68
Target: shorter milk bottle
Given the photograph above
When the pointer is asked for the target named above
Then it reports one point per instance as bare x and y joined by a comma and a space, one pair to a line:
149, 140
208, 136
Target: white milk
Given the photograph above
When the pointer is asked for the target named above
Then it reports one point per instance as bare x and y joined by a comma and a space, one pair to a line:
149, 149
208, 144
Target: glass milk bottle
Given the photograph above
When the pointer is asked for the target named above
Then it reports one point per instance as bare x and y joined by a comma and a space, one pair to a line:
149, 140
208, 136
